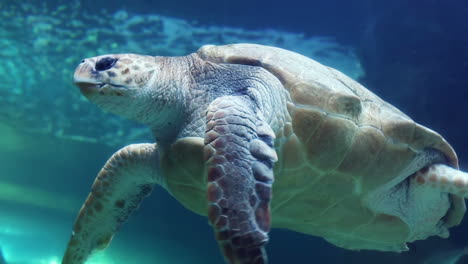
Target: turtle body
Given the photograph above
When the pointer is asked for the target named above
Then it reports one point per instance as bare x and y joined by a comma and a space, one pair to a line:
255, 136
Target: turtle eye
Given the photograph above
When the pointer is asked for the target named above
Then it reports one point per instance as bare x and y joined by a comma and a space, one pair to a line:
105, 63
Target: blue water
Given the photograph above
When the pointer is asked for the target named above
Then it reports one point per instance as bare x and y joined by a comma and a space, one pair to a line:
53, 142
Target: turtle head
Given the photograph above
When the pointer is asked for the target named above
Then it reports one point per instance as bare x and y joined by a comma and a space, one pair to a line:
114, 75
137, 87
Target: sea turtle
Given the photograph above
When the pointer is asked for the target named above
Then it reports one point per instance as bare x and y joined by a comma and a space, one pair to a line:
232, 122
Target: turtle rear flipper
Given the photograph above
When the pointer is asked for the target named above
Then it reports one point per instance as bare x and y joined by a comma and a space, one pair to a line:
126, 178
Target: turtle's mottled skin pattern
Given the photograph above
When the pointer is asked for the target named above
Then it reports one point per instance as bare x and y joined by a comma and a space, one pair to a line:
250, 136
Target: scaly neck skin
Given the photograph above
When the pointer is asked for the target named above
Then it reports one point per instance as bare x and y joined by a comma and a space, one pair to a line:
179, 98
166, 108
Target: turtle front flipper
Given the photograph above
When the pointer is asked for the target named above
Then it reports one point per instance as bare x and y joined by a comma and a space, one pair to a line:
239, 154
126, 178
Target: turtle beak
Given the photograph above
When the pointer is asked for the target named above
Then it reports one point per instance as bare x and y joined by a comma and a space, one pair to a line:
87, 79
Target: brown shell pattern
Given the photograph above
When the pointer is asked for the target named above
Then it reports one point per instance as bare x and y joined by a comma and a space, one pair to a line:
339, 132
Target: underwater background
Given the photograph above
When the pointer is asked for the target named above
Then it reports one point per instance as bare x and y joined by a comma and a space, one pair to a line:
413, 54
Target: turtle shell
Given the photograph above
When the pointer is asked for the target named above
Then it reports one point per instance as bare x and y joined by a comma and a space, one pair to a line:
341, 147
